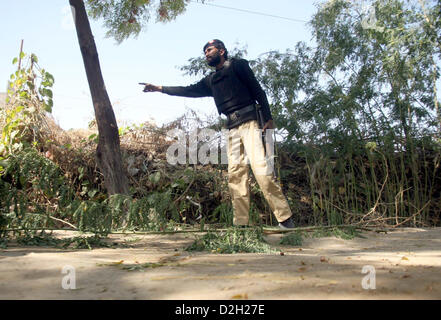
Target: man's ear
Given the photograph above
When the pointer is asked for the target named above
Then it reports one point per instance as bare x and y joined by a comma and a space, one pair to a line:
222, 52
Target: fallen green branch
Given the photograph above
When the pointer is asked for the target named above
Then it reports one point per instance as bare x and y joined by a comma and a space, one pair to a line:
265, 229
276, 230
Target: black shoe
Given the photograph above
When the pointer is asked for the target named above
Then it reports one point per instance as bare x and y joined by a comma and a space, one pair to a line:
287, 224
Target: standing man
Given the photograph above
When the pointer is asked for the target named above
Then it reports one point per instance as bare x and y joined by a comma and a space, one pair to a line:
235, 91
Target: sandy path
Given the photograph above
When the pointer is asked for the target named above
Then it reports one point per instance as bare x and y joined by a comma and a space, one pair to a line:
407, 265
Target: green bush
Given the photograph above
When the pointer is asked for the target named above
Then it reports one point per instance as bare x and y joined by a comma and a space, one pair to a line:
233, 240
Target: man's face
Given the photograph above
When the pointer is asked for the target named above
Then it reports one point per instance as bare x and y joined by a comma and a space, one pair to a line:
213, 55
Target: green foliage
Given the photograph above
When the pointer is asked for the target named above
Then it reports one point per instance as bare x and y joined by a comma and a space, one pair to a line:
125, 18
35, 193
292, 239
223, 214
85, 243
29, 97
44, 240
92, 216
30, 187
346, 233
3, 243
29, 169
47, 240
296, 238
161, 204
233, 240
28, 181
138, 215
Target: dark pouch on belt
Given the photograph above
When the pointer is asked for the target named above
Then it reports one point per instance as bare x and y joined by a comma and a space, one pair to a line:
238, 117
259, 116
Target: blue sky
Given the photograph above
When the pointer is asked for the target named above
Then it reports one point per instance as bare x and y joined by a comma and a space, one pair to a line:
154, 56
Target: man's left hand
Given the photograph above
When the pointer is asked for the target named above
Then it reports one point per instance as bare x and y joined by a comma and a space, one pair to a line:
268, 125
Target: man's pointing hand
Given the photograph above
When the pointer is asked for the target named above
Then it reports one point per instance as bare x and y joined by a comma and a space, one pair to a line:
150, 87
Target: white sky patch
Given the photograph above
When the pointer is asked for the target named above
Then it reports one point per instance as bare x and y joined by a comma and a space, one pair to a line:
67, 22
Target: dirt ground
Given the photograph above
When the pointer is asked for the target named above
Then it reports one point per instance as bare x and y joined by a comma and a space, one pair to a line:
406, 264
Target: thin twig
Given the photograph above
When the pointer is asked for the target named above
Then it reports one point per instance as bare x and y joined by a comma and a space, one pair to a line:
65, 222
185, 192
414, 215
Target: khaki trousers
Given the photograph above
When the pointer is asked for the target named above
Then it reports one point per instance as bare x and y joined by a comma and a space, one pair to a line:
245, 146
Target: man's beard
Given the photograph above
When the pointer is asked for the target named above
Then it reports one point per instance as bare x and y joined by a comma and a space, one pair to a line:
214, 61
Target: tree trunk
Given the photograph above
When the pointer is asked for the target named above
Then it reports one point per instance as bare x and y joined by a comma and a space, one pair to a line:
108, 153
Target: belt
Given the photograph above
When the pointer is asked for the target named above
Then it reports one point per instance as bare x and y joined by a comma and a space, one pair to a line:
236, 115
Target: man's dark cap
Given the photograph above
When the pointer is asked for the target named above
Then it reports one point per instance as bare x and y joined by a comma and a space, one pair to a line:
217, 43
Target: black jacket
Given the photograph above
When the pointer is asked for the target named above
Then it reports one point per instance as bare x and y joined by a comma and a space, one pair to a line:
233, 86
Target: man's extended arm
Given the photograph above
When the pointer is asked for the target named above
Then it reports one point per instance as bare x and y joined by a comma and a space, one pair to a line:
199, 89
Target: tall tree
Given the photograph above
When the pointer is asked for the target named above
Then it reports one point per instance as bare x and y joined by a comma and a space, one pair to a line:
108, 153
122, 18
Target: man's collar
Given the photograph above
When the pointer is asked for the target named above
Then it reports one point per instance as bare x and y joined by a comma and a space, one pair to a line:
226, 64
